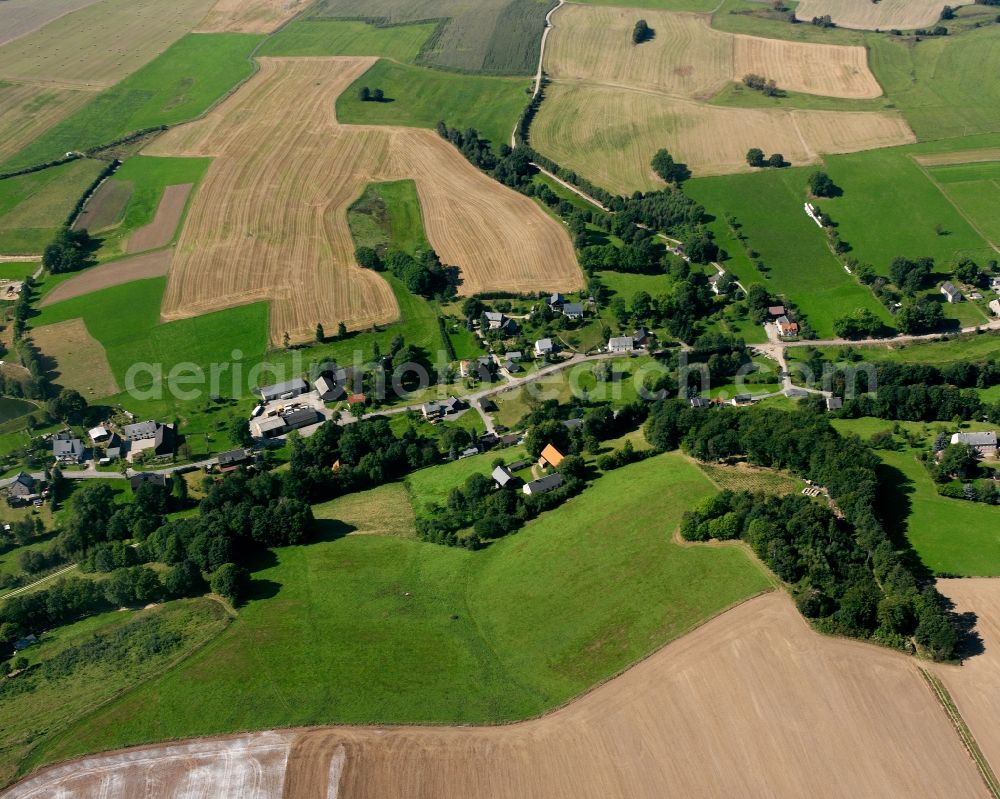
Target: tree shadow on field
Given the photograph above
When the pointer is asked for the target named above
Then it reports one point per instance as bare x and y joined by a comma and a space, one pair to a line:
970, 642
894, 506
261, 589
327, 530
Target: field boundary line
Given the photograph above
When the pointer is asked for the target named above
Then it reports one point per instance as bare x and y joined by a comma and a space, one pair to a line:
964, 733
952, 203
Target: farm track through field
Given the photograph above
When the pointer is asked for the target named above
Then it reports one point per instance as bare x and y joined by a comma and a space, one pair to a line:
269, 220
788, 712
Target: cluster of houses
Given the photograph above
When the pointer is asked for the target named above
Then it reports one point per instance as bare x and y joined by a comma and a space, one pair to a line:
626, 345
153, 438
282, 410
787, 327
995, 288
953, 294
504, 477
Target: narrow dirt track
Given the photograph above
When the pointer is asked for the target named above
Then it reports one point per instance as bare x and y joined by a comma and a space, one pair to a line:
751, 704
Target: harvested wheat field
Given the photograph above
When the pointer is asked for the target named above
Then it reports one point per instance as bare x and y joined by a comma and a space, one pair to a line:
688, 58
113, 273
269, 221
160, 232
20, 17
753, 703
105, 206
79, 359
249, 16
883, 15
28, 110
610, 135
98, 45
975, 685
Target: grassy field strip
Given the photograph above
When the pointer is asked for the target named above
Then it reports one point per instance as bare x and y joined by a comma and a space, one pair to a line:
968, 739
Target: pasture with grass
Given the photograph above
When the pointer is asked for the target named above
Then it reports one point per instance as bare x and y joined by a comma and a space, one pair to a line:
802, 269
420, 98
522, 626
312, 36
34, 206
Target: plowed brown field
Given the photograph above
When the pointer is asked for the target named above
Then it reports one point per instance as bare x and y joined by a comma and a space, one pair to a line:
688, 58
113, 273
269, 221
249, 16
752, 704
161, 230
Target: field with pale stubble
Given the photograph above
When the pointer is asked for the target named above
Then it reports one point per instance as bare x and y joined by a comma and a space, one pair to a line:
269, 221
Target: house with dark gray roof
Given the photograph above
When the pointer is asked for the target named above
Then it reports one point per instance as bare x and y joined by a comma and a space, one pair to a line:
543, 485
834, 403
67, 449
22, 486
951, 293
622, 345
573, 310
139, 431
233, 459
152, 478
301, 418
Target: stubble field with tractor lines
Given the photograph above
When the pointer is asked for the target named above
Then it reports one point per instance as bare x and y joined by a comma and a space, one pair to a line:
286, 216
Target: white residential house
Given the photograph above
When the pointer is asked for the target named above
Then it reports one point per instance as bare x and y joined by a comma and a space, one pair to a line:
621, 344
951, 293
714, 280
543, 347
995, 306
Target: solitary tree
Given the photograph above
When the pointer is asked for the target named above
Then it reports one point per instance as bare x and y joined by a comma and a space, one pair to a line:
777, 160
672, 172
320, 333
286, 340
230, 581
341, 330
365, 94
641, 32
755, 157
821, 185
378, 95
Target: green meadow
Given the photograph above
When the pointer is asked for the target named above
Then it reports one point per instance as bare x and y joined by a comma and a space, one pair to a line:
149, 177
333, 37
419, 97
178, 85
974, 189
449, 635
890, 207
34, 206
768, 206
951, 536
